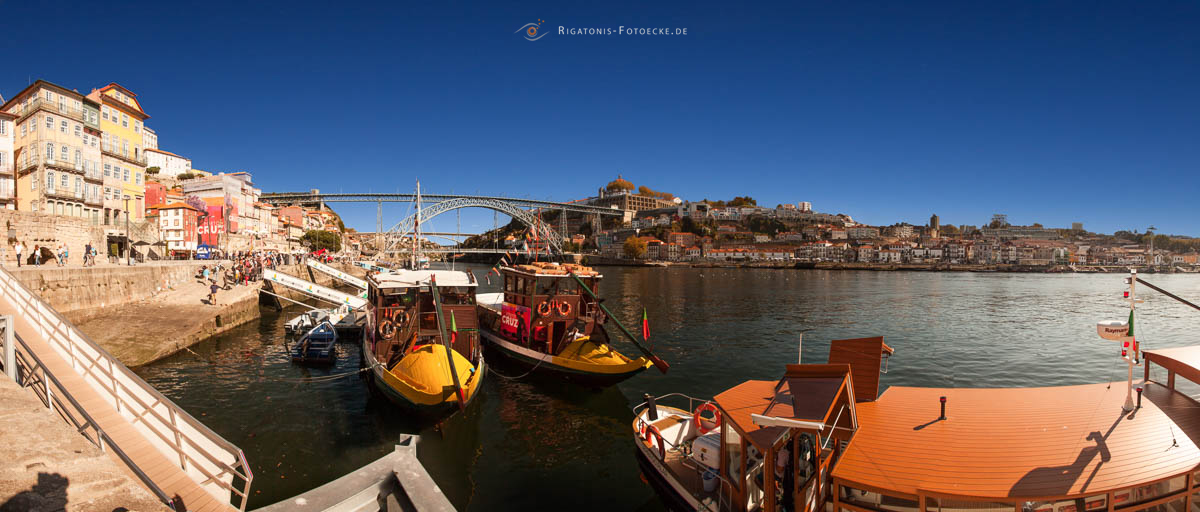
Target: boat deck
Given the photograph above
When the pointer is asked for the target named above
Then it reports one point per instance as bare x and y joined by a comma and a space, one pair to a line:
1008, 444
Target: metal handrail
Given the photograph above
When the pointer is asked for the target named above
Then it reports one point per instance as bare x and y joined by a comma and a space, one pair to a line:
115, 367
101, 436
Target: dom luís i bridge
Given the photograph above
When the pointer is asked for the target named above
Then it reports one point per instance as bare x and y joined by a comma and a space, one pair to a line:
396, 240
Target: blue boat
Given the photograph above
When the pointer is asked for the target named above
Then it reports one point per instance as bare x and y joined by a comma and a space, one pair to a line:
316, 346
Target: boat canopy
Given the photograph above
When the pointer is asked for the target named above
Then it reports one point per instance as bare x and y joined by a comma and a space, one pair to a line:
1010, 447
819, 395
864, 356
419, 278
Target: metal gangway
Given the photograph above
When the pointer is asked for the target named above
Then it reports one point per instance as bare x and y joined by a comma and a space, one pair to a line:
314, 290
179, 459
337, 274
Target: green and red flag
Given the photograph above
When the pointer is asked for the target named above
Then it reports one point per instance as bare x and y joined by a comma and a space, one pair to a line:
645, 325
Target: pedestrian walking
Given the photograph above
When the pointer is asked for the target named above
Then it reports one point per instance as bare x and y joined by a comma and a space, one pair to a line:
37, 255
66, 255
212, 293
87, 254
20, 250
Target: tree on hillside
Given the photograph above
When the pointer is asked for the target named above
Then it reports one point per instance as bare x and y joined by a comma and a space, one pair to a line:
742, 201
152, 169
318, 239
764, 224
948, 230
635, 248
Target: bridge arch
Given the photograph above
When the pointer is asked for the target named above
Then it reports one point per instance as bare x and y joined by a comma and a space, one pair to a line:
405, 226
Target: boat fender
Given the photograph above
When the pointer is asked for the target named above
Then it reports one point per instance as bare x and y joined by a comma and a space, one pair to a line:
698, 419
544, 308
662, 446
564, 308
387, 330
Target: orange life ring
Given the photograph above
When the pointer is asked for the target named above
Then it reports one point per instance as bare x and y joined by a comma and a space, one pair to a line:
564, 308
400, 316
387, 330
697, 419
544, 308
662, 446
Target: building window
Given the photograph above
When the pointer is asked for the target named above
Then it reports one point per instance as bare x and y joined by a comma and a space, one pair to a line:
126, 174
24, 126
78, 157
78, 131
66, 180
104, 112
107, 171
50, 151
50, 122
50, 181
139, 178
3, 127
65, 154
124, 121
78, 184
62, 126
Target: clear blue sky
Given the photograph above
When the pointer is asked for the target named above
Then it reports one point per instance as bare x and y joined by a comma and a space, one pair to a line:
1050, 112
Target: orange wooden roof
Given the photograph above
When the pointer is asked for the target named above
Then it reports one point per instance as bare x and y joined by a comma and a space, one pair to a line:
807, 392
863, 355
1020, 442
750, 397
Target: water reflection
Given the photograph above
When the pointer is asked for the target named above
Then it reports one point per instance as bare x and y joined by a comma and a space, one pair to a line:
527, 443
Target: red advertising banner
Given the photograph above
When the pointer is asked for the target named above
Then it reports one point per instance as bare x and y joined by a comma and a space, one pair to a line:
514, 321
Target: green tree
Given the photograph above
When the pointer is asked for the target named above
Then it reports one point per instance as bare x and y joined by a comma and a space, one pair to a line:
186, 176
948, 230
318, 239
152, 170
742, 201
635, 248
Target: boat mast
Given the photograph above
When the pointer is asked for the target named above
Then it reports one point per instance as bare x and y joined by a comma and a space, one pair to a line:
1131, 358
416, 229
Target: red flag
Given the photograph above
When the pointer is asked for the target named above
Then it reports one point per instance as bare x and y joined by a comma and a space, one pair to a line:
645, 326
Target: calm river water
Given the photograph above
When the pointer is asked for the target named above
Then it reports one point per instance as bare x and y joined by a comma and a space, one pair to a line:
525, 443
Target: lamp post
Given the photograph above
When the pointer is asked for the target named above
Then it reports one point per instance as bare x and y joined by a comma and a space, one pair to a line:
128, 240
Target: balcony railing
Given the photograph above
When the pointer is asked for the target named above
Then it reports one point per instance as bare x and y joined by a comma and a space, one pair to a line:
59, 108
6, 168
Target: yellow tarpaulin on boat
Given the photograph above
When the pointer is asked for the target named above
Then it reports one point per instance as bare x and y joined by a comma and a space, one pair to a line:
427, 370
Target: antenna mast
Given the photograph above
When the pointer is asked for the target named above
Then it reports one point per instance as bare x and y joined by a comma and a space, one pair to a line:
1129, 345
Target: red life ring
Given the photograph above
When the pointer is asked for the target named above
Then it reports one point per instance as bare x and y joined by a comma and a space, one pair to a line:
564, 308
387, 330
698, 420
662, 447
544, 309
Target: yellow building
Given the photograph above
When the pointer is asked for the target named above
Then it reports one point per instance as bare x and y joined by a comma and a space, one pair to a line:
121, 118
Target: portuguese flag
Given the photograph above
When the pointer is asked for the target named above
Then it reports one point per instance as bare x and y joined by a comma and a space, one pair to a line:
645, 325
1130, 334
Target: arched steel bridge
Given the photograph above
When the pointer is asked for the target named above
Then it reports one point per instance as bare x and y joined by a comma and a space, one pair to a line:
521, 209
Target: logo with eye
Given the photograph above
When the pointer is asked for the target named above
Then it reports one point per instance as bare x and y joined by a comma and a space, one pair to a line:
531, 31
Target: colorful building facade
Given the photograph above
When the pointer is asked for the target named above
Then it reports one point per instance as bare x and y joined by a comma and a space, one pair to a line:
122, 149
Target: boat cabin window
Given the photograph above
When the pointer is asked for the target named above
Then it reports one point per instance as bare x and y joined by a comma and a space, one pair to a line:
733, 452
1143, 493
1091, 503
510, 283
456, 295
957, 505
883, 502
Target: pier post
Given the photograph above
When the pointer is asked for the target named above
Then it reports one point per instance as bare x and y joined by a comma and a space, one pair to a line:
10, 351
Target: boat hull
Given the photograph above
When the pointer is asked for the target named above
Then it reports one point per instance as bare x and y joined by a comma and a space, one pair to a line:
582, 374
423, 405
663, 485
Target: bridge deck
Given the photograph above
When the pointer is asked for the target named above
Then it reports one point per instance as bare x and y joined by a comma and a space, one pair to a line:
162, 471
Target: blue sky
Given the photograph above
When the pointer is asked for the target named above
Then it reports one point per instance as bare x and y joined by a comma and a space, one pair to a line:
888, 111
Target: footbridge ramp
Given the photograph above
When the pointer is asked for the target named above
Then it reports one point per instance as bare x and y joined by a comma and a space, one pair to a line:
183, 462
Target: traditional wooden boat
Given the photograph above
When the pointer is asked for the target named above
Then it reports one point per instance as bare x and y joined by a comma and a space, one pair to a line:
421, 343
822, 439
549, 319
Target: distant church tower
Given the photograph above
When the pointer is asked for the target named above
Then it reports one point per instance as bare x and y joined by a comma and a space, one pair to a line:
934, 222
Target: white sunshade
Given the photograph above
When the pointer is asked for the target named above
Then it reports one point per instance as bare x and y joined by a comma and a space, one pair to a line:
417, 278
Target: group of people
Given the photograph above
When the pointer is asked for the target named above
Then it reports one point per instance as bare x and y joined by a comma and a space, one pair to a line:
245, 268
61, 255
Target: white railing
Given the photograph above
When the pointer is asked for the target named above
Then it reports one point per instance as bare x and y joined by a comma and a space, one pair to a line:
207, 458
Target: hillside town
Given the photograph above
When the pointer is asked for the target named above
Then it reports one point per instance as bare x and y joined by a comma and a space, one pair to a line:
92, 164
660, 227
